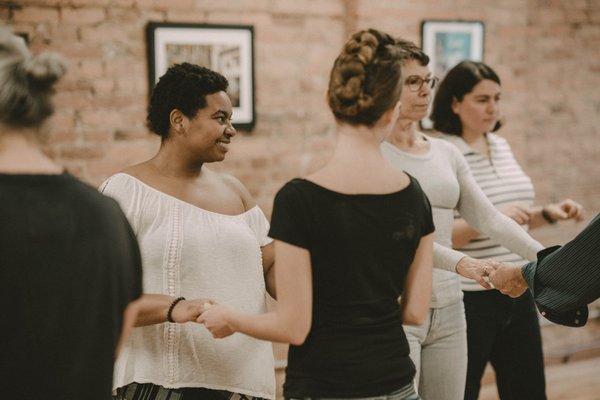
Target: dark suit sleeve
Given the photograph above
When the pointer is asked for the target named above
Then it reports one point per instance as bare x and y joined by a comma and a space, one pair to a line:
566, 279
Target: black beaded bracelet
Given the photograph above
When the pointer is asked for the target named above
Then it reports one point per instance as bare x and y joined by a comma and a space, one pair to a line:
547, 217
171, 307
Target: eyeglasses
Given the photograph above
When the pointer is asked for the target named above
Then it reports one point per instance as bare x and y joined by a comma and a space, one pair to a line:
415, 82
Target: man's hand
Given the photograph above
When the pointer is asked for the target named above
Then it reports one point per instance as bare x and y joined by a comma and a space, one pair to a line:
509, 280
477, 270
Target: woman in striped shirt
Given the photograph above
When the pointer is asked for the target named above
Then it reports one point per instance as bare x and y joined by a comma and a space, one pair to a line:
501, 330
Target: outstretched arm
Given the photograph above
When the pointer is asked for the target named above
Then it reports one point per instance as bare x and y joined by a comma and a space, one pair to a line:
290, 322
454, 261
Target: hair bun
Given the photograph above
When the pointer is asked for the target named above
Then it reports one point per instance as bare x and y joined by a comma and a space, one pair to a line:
364, 78
363, 46
44, 70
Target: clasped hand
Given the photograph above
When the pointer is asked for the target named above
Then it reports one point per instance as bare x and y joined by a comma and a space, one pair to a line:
215, 317
507, 278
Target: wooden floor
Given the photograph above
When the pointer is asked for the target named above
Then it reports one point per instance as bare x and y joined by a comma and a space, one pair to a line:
576, 380
572, 357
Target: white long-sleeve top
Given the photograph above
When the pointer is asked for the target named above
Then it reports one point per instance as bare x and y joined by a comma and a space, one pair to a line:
447, 181
191, 252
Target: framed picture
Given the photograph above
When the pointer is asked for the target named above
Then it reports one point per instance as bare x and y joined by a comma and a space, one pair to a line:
227, 49
449, 42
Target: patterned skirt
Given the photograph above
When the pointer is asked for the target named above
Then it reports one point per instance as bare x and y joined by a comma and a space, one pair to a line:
149, 391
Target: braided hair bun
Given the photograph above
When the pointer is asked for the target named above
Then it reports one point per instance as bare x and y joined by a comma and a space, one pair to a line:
364, 81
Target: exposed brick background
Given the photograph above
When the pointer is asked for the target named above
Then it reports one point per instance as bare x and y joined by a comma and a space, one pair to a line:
546, 52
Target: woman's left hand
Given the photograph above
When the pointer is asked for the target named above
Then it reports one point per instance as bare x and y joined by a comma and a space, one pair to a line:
216, 319
566, 209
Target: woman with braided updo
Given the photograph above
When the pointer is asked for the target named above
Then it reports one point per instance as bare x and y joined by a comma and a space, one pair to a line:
349, 240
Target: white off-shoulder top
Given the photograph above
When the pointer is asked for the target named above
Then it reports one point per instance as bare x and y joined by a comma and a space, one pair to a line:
191, 252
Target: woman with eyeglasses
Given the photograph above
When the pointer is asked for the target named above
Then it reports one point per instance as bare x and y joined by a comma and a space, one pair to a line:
438, 347
500, 329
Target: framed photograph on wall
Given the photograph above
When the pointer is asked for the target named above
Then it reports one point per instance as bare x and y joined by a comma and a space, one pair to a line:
227, 49
449, 42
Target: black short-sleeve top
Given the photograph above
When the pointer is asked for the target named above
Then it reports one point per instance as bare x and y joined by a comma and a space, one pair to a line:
361, 248
70, 265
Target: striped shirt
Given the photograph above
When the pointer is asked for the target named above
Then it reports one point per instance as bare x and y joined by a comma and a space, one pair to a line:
503, 181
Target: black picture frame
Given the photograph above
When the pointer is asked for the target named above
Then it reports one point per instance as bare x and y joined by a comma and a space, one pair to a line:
448, 42
228, 49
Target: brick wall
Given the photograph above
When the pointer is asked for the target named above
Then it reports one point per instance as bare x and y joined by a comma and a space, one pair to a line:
544, 50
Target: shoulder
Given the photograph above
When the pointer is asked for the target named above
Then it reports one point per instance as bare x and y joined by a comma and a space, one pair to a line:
90, 202
120, 183
498, 141
453, 139
447, 148
495, 138
415, 187
443, 142
294, 190
387, 148
137, 170
297, 185
238, 187
83, 193
417, 196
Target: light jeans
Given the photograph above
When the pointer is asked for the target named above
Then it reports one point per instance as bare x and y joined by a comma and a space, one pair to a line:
438, 348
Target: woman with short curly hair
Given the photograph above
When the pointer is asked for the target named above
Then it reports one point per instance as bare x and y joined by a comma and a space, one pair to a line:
201, 236
349, 240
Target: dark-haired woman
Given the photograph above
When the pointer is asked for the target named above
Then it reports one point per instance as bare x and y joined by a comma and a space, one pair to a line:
201, 236
500, 329
349, 240
438, 346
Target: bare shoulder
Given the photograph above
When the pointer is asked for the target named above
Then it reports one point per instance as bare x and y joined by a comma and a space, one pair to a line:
399, 178
140, 171
238, 187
